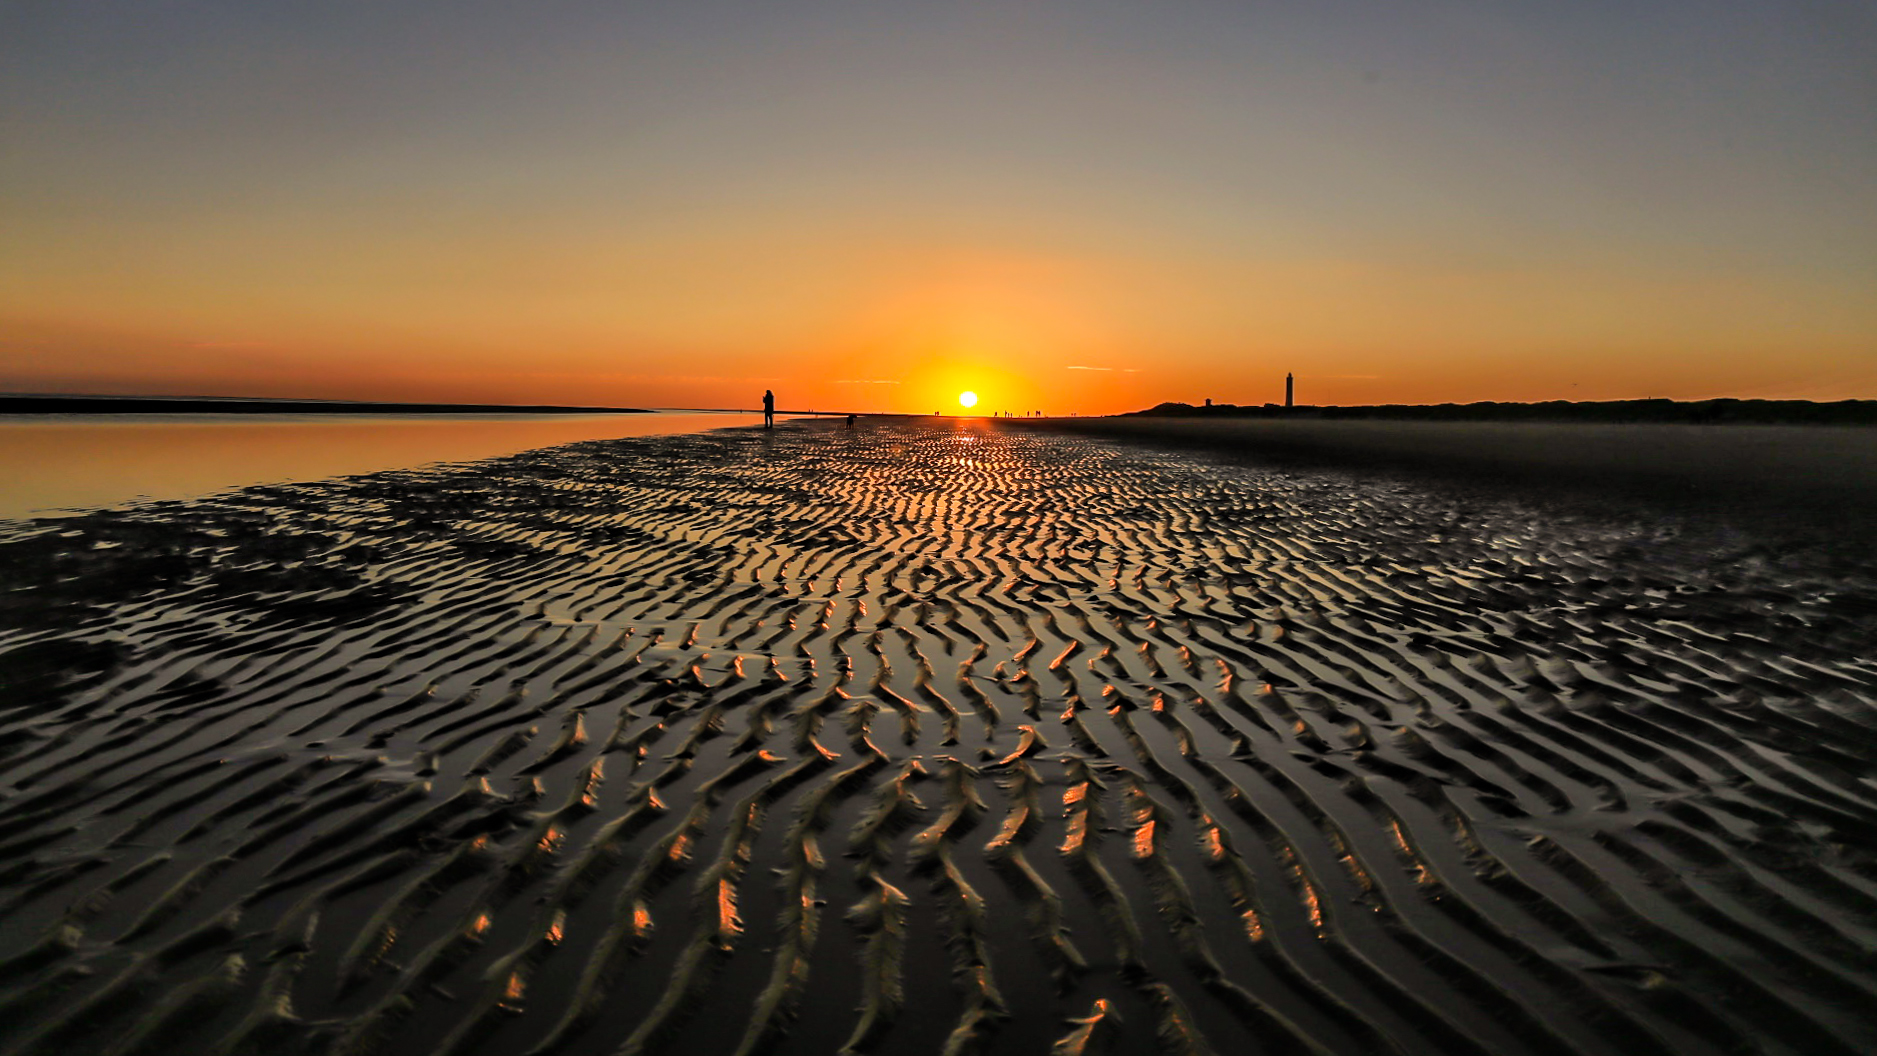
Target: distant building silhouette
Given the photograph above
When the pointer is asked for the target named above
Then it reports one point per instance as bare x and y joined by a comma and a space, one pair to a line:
1290, 390
1208, 401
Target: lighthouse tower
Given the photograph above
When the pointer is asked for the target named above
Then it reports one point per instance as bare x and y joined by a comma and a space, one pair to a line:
1290, 390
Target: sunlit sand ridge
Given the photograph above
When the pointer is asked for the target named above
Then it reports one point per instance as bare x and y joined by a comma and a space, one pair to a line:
921, 738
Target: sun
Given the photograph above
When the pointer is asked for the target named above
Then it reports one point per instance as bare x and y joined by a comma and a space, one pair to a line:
967, 399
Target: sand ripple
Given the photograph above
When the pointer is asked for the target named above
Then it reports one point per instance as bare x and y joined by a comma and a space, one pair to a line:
924, 738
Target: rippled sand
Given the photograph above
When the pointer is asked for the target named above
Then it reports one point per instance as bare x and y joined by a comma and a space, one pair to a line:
928, 737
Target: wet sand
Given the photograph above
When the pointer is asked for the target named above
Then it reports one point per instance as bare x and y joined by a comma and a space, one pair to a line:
1786, 471
929, 736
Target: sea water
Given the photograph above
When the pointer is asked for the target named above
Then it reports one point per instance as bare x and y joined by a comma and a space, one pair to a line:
50, 463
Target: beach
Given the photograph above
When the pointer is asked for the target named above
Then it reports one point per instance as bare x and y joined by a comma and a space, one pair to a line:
922, 736
1804, 473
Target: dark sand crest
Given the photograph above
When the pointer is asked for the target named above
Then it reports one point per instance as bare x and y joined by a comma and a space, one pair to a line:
924, 737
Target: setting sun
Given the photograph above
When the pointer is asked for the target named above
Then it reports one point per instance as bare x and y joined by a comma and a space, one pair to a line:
967, 399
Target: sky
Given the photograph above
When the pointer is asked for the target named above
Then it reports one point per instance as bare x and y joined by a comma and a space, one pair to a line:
1069, 207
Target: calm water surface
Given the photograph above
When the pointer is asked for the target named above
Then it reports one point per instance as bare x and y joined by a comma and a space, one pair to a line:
64, 462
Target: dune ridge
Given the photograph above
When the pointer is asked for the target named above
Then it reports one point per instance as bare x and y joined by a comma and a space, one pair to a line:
928, 737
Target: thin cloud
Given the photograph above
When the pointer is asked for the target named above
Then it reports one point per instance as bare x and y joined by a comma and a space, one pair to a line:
865, 381
1124, 370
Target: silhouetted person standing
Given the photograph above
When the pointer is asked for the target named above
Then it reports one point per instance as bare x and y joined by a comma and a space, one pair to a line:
769, 409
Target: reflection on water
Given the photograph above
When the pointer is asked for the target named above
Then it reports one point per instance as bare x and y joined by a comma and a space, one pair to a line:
53, 462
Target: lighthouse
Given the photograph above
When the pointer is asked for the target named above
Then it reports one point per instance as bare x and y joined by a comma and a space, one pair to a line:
1290, 390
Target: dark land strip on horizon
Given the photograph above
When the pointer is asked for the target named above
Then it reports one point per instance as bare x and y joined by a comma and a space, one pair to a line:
12, 404
1726, 411
47, 404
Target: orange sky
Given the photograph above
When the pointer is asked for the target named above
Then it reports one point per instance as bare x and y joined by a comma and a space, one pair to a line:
1062, 212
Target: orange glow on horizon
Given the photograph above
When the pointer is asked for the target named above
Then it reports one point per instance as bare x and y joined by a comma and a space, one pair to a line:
1021, 331
918, 361
904, 379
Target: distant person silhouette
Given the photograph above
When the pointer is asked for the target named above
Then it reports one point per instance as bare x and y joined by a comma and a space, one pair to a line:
769, 409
